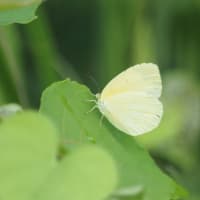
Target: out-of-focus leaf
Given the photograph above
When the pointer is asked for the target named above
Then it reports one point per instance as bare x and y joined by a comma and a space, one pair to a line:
18, 11
28, 145
9, 110
66, 104
89, 173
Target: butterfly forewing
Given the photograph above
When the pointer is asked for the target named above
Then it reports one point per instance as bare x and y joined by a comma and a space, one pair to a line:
142, 78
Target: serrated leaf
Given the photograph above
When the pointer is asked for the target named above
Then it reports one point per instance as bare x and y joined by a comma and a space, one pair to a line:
88, 173
18, 11
66, 104
28, 148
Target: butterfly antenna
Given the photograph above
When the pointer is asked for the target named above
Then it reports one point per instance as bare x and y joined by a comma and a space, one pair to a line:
93, 108
94, 81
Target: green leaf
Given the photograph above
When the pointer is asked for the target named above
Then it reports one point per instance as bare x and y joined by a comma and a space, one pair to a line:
28, 144
66, 104
18, 11
88, 173
9, 110
29, 168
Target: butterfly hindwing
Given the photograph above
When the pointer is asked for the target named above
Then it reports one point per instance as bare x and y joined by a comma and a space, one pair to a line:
133, 114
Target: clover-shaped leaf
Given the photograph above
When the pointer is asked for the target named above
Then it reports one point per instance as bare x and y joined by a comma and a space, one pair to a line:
30, 168
28, 148
88, 173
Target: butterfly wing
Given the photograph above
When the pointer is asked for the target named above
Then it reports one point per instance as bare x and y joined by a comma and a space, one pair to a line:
130, 101
144, 78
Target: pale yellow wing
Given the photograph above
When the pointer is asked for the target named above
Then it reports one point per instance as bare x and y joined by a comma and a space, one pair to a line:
139, 78
133, 114
130, 101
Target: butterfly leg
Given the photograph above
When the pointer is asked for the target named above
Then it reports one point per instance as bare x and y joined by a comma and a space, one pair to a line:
91, 100
93, 108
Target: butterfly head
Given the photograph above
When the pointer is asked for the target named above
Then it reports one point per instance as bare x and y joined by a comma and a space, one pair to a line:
98, 96
100, 103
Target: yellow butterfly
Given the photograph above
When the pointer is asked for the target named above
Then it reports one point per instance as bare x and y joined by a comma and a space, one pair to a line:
131, 102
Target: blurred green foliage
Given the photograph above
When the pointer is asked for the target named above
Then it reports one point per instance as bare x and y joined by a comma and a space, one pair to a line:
93, 40
29, 168
28, 145
20, 11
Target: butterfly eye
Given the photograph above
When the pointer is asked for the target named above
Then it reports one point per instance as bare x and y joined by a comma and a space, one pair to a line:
98, 96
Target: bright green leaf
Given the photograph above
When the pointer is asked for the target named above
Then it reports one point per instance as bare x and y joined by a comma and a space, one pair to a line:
9, 110
18, 11
66, 103
28, 144
88, 173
